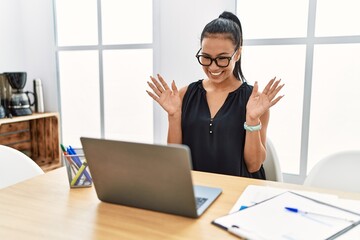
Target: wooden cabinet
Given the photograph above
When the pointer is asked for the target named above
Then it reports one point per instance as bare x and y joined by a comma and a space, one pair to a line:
36, 135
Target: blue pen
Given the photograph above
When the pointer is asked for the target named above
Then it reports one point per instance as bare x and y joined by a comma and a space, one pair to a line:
78, 162
243, 207
296, 210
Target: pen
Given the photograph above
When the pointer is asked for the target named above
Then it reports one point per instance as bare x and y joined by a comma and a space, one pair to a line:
245, 234
68, 158
296, 210
71, 152
78, 175
78, 162
242, 207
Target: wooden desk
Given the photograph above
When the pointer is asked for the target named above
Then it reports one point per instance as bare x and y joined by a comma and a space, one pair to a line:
46, 208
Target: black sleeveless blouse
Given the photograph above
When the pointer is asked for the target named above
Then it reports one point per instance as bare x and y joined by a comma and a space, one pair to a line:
217, 145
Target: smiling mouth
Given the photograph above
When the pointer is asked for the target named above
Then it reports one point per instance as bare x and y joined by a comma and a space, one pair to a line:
215, 73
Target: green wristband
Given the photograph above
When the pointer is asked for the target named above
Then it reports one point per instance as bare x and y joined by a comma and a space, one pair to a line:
252, 128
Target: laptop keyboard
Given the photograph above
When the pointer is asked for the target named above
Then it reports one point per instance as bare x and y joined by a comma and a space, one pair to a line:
200, 201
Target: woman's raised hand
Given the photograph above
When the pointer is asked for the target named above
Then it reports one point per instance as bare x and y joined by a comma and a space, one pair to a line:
260, 102
169, 99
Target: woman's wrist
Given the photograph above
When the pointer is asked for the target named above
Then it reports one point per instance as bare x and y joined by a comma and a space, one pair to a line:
253, 121
175, 115
252, 124
252, 128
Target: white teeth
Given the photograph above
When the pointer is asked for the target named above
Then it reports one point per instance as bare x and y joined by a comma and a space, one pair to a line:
216, 74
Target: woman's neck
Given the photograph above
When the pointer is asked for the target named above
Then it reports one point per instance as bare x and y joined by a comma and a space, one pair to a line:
228, 85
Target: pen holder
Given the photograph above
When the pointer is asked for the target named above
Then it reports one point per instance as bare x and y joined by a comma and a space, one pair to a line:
77, 169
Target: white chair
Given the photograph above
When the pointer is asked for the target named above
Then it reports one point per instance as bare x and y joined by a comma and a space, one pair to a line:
15, 167
271, 163
339, 171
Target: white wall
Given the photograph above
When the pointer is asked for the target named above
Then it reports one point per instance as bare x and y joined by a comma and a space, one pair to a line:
27, 44
12, 37
38, 29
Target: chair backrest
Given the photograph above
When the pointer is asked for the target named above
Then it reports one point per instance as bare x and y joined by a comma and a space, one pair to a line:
339, 171
271, 163
15, 167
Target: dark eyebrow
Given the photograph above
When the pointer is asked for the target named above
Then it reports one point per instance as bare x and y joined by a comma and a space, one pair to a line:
219, 55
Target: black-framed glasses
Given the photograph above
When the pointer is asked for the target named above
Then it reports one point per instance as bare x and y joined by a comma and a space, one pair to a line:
205, 60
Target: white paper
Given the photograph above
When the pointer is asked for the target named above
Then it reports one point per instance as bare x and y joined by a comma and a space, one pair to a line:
271, 219
254, 194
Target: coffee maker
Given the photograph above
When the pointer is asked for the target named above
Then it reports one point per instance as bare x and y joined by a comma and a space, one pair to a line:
19, 103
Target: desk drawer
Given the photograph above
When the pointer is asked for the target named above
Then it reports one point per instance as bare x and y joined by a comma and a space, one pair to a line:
16, 135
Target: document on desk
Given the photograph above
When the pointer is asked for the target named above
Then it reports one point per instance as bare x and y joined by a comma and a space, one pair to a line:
290, 215
254, 194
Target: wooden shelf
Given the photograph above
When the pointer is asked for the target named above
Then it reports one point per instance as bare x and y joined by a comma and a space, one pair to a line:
36, 135
28, 117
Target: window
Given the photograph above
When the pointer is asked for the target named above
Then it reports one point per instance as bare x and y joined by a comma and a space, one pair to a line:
73, 30
337, 18
263, 19
334, 101
317, 56
80, 105
105, 56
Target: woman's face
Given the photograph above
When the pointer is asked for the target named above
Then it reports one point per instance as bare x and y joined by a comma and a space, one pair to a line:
219, 46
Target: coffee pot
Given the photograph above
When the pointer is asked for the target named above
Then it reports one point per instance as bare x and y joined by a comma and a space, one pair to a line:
19, 103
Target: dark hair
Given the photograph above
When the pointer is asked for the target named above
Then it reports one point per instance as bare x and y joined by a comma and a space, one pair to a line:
229, 25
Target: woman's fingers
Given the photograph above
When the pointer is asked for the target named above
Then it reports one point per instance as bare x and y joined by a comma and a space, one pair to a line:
254, 92
163, 83
160, 88
174, 88
157, 84
274, 91
153, 96
268, 86
154, 88
272, 103
272, 88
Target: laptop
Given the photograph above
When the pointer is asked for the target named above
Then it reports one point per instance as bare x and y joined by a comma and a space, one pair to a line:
148, 176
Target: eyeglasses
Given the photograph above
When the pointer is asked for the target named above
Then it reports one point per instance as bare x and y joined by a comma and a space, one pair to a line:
219, 61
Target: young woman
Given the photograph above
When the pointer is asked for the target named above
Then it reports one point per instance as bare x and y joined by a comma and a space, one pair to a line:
221, 118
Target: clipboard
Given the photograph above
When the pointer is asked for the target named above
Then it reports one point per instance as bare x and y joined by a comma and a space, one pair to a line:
270, 219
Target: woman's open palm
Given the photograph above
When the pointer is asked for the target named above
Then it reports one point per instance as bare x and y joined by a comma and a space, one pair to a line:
260, 102
169, 99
